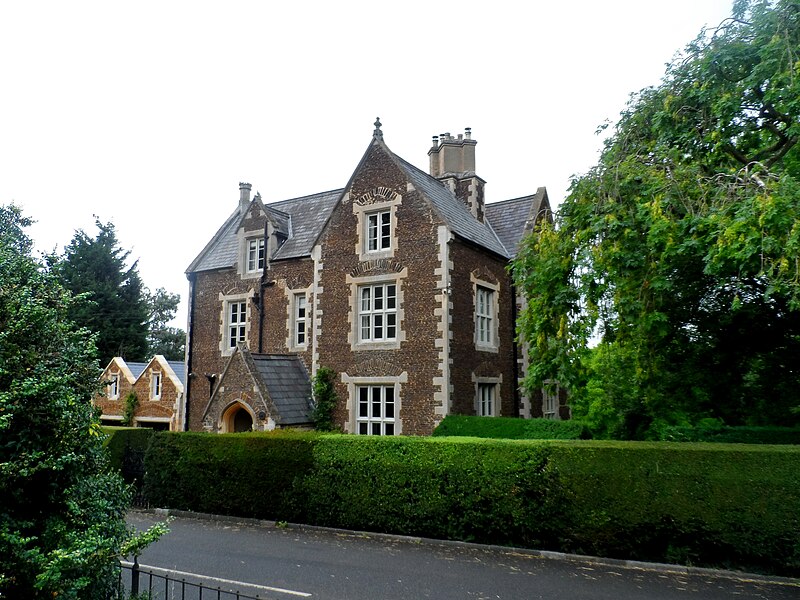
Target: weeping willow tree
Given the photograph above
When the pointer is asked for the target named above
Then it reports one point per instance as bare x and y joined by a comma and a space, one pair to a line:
680, 249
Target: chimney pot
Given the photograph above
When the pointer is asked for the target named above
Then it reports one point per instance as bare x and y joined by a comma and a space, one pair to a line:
468, 132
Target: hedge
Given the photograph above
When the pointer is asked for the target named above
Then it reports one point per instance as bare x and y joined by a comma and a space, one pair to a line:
126, 446
731, 506
733, 435
511, 429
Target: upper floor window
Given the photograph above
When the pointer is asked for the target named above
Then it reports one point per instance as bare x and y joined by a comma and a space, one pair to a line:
379, 231
487, 400
299, 327
255, 255
155, 385
237, 323
376, 410
113, 386
377, 312
484, 316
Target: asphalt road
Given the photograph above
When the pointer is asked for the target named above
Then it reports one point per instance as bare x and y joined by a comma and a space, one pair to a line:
293, 562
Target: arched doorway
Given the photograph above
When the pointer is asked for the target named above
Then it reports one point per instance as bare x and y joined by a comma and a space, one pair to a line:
237, 419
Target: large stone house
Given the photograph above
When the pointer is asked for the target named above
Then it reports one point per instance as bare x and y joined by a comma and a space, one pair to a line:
398, 282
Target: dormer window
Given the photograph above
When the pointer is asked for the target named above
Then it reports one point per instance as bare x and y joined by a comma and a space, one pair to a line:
255, 255
379, 231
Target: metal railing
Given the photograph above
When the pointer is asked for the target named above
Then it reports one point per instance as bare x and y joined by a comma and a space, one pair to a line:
142, 582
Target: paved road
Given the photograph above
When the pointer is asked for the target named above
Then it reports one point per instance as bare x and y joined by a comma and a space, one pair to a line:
328, 565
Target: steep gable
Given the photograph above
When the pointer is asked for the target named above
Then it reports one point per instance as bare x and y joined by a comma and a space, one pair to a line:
512, 219
300, 220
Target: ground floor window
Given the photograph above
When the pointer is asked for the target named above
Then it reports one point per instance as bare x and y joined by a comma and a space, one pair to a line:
376, 410
550, 402
487, 399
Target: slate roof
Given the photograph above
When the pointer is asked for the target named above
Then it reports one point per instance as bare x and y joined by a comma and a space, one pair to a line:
289, 387
511, 219
308, 216
452, 210
302, 219
136, 368
180, 369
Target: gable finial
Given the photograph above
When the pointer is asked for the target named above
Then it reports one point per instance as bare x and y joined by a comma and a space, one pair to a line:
377, 134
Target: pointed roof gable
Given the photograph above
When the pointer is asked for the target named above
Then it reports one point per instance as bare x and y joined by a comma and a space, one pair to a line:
302, 220
288, 385
173, 369
299, 219
131, 371
512, 219
283, 383
451, 210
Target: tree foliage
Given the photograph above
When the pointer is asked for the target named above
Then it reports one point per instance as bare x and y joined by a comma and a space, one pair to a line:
161, 338
681, 248
112, 296
62, 521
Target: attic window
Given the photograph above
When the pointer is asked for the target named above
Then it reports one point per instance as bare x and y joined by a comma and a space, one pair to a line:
255, 255
379, 231
155, 385
113, 386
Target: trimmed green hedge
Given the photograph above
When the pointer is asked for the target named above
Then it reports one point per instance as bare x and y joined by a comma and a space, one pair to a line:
733, 435
731, 506
511, 429
124, 444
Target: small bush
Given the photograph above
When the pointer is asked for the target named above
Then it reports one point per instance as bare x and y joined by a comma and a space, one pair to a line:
510, 428
325, 399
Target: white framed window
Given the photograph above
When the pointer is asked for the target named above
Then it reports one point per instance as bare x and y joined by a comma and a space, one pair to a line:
379, 231
236, 323
155, 385
376, 215
487, 400
377, 312
376, 409
255, 255
484, 316
550, 402
113, 387
300, 326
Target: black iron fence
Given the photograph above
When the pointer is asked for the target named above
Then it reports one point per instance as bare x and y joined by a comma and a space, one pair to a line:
142, 582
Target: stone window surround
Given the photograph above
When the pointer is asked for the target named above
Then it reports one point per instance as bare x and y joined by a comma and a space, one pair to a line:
497, 383
255, 252
291, 317
156, 385
376, 201
494, 346
245, 237
353, 383
354, 318
113, 386
225, 301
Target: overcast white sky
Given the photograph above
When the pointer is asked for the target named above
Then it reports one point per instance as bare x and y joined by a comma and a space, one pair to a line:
149, 114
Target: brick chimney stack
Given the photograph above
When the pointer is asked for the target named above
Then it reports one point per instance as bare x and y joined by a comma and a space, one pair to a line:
244, 196
452, 162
